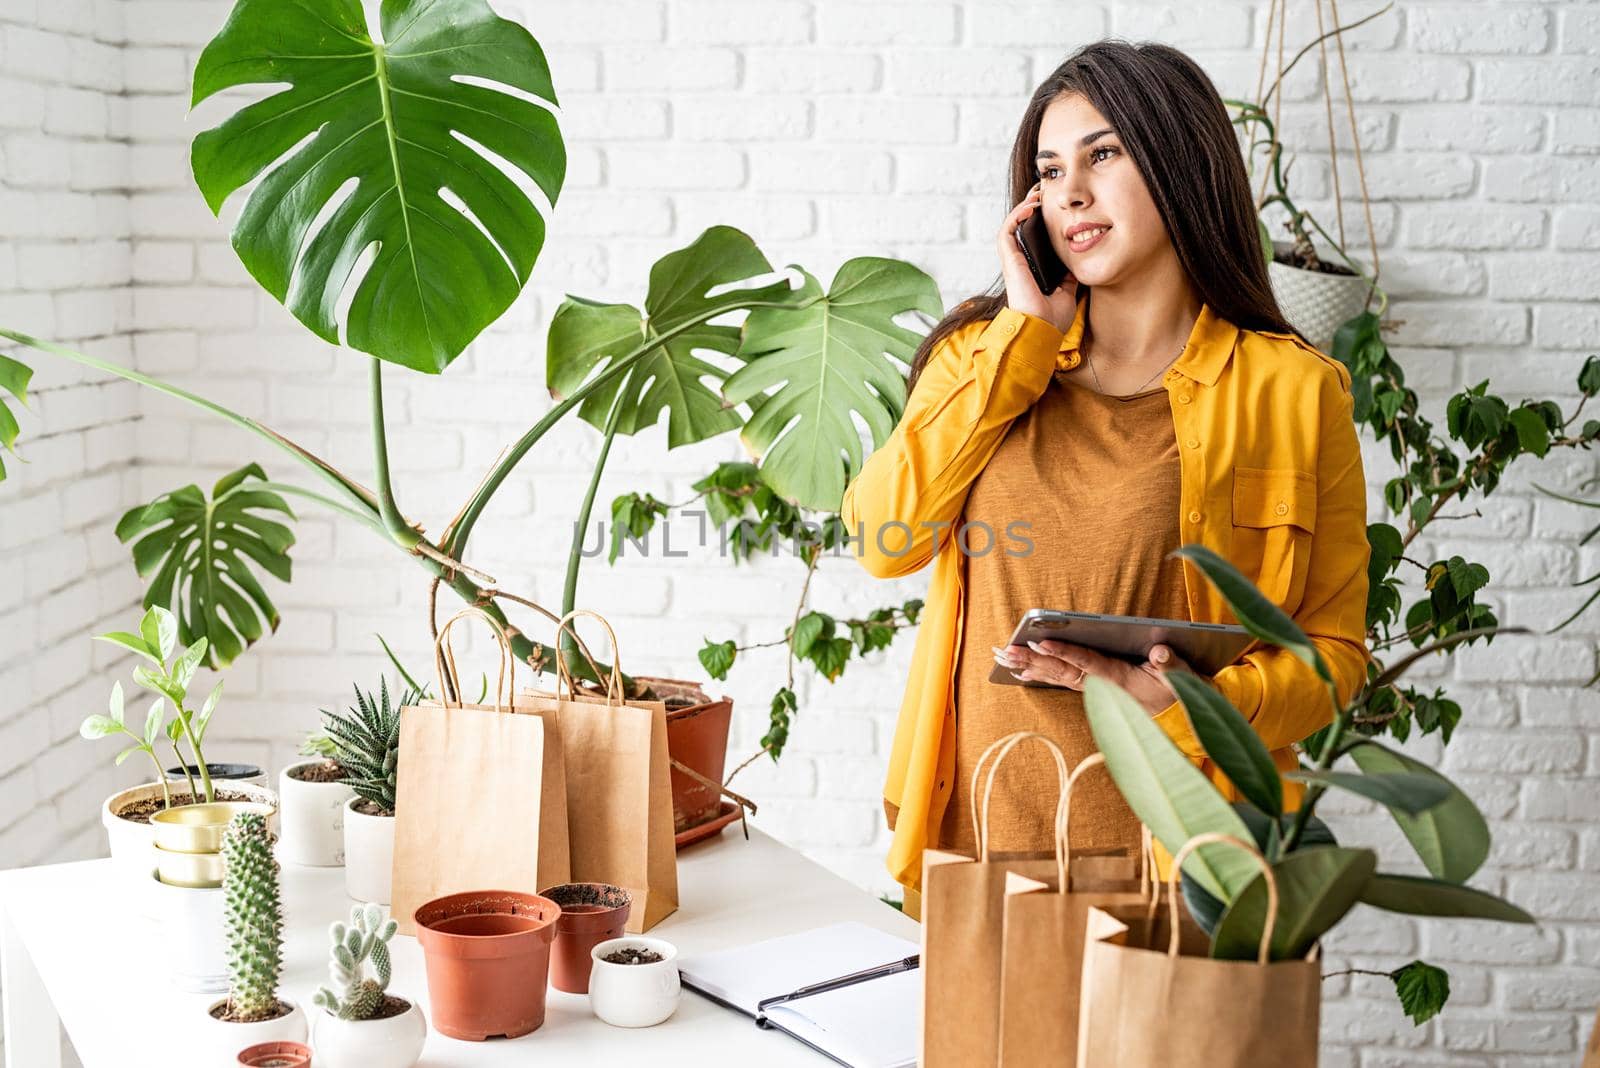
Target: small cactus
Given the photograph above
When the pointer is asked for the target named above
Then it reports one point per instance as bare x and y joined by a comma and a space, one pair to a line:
254, 918
365, 938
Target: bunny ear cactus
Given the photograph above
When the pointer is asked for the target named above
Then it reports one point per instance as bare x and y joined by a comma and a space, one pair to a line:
254, 918
354, 995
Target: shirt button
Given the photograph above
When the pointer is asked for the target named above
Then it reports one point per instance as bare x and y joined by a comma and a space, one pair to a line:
1184, 398
1193, 443
1011, 328
1282, 509
1194, 517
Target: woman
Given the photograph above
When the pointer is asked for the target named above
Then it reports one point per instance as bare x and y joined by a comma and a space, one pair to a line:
1157, 398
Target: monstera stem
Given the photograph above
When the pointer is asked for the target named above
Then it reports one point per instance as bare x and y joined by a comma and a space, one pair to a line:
569, 591
403, 533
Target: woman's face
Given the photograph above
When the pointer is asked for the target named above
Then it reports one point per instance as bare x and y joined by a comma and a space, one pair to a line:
1096, 182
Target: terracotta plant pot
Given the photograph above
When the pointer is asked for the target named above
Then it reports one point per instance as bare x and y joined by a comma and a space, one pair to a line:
591, 913
276, 1055
697, 737
487, 954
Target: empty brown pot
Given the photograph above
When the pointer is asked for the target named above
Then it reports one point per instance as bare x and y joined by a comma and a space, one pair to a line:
591, 913
487, 954
276, 1055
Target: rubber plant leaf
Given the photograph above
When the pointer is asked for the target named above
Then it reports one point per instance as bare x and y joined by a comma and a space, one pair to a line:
1416, 895
1316, 887
587, 337
1250, 607
14, 377
399, 147
819, 360
1452, 837
1166, 791
1230, 742
198, 555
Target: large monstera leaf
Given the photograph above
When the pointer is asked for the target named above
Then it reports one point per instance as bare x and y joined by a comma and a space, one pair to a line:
14, 378
809, 366
586, 337
392, 120
200, 553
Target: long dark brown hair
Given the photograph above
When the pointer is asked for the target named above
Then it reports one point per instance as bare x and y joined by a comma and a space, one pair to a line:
1173, 123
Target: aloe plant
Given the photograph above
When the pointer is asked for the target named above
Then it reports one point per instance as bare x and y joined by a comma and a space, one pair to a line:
366, 743
1318, 880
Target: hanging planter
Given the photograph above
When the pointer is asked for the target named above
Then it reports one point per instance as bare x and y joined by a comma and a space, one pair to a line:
487, 954
1316, 302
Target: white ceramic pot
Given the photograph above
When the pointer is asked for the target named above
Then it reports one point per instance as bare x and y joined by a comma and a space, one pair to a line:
313, 819
133, 846
368, 854
1316, 304
634, 995
192, 923
221, 1042
395, 1042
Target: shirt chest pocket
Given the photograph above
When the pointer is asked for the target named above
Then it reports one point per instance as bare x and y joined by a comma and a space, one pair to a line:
1274, 518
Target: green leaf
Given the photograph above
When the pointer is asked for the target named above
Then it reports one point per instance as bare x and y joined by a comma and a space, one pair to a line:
157, 682
98, 726
1166, 791
160, 632
201, 553
1316, 887
717, 658
1452, 837
821, 357
830, 655
1403, 791
1207, 910
1423, 990
587, 337
1589, 376
779, 714
1419, 896
1250, 607
134, 643
394, 121
14, 377
125, 754
183, 671
115, 704
1230, 742
204, 718
1532, 434
152, 723
808, 629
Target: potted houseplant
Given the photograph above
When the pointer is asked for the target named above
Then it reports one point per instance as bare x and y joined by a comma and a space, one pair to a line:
362, 1025
314, 794
366, 743
126, 813
1318, 880
253, 931
635, 981
487, 954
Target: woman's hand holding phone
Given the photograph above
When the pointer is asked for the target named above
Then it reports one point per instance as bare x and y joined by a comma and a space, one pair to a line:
1022, 291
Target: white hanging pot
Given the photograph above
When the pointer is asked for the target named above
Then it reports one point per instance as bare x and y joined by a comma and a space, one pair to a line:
392, 1042
1316, 304
312, 817
368, 854
221, 1041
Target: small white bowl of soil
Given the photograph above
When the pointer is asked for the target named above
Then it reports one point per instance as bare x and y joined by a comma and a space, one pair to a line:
634, 982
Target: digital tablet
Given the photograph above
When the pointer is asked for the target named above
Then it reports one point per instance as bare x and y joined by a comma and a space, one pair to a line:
1206, 647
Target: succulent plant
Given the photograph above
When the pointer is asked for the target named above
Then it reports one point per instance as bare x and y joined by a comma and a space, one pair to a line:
254, 918
366, 743
354, 995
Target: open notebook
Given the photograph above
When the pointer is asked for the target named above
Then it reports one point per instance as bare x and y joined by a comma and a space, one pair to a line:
874, 1024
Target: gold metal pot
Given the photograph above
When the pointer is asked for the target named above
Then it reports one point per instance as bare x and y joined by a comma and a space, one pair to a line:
193, 870
198, 828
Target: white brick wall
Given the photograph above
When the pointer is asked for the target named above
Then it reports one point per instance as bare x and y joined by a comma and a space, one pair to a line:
825, 130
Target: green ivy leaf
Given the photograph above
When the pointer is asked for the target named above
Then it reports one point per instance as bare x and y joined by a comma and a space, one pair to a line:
1532, 433
14, 378
808, 629
717, 658
781, 710
1466, 578
398, 123
1423, 990
830, 655
1589, 376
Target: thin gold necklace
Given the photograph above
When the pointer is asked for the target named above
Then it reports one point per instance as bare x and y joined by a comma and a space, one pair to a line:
1146, 382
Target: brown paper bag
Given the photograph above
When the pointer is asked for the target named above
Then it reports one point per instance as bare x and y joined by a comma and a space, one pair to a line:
480, 795
1153, 998
1591, 1052
619, 790
963, 921
1042, 956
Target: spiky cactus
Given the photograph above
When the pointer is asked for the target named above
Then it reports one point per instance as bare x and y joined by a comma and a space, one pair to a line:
355, 996
254, 919
366, 743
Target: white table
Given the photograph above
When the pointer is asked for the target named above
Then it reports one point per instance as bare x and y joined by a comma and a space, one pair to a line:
72, 955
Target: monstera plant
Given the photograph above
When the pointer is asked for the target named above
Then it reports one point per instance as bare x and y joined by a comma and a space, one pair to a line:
391, 173
1318, 880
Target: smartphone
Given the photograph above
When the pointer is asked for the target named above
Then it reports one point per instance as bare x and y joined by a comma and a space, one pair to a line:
1034, 240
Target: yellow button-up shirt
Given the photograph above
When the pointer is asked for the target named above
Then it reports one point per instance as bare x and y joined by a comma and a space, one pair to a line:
1271, 480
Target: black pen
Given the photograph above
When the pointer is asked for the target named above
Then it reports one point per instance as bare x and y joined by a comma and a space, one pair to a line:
853, 978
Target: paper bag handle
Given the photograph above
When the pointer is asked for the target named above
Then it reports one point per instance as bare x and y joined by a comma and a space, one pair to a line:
614, 682
444, 661
1266, 873
1004, 746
